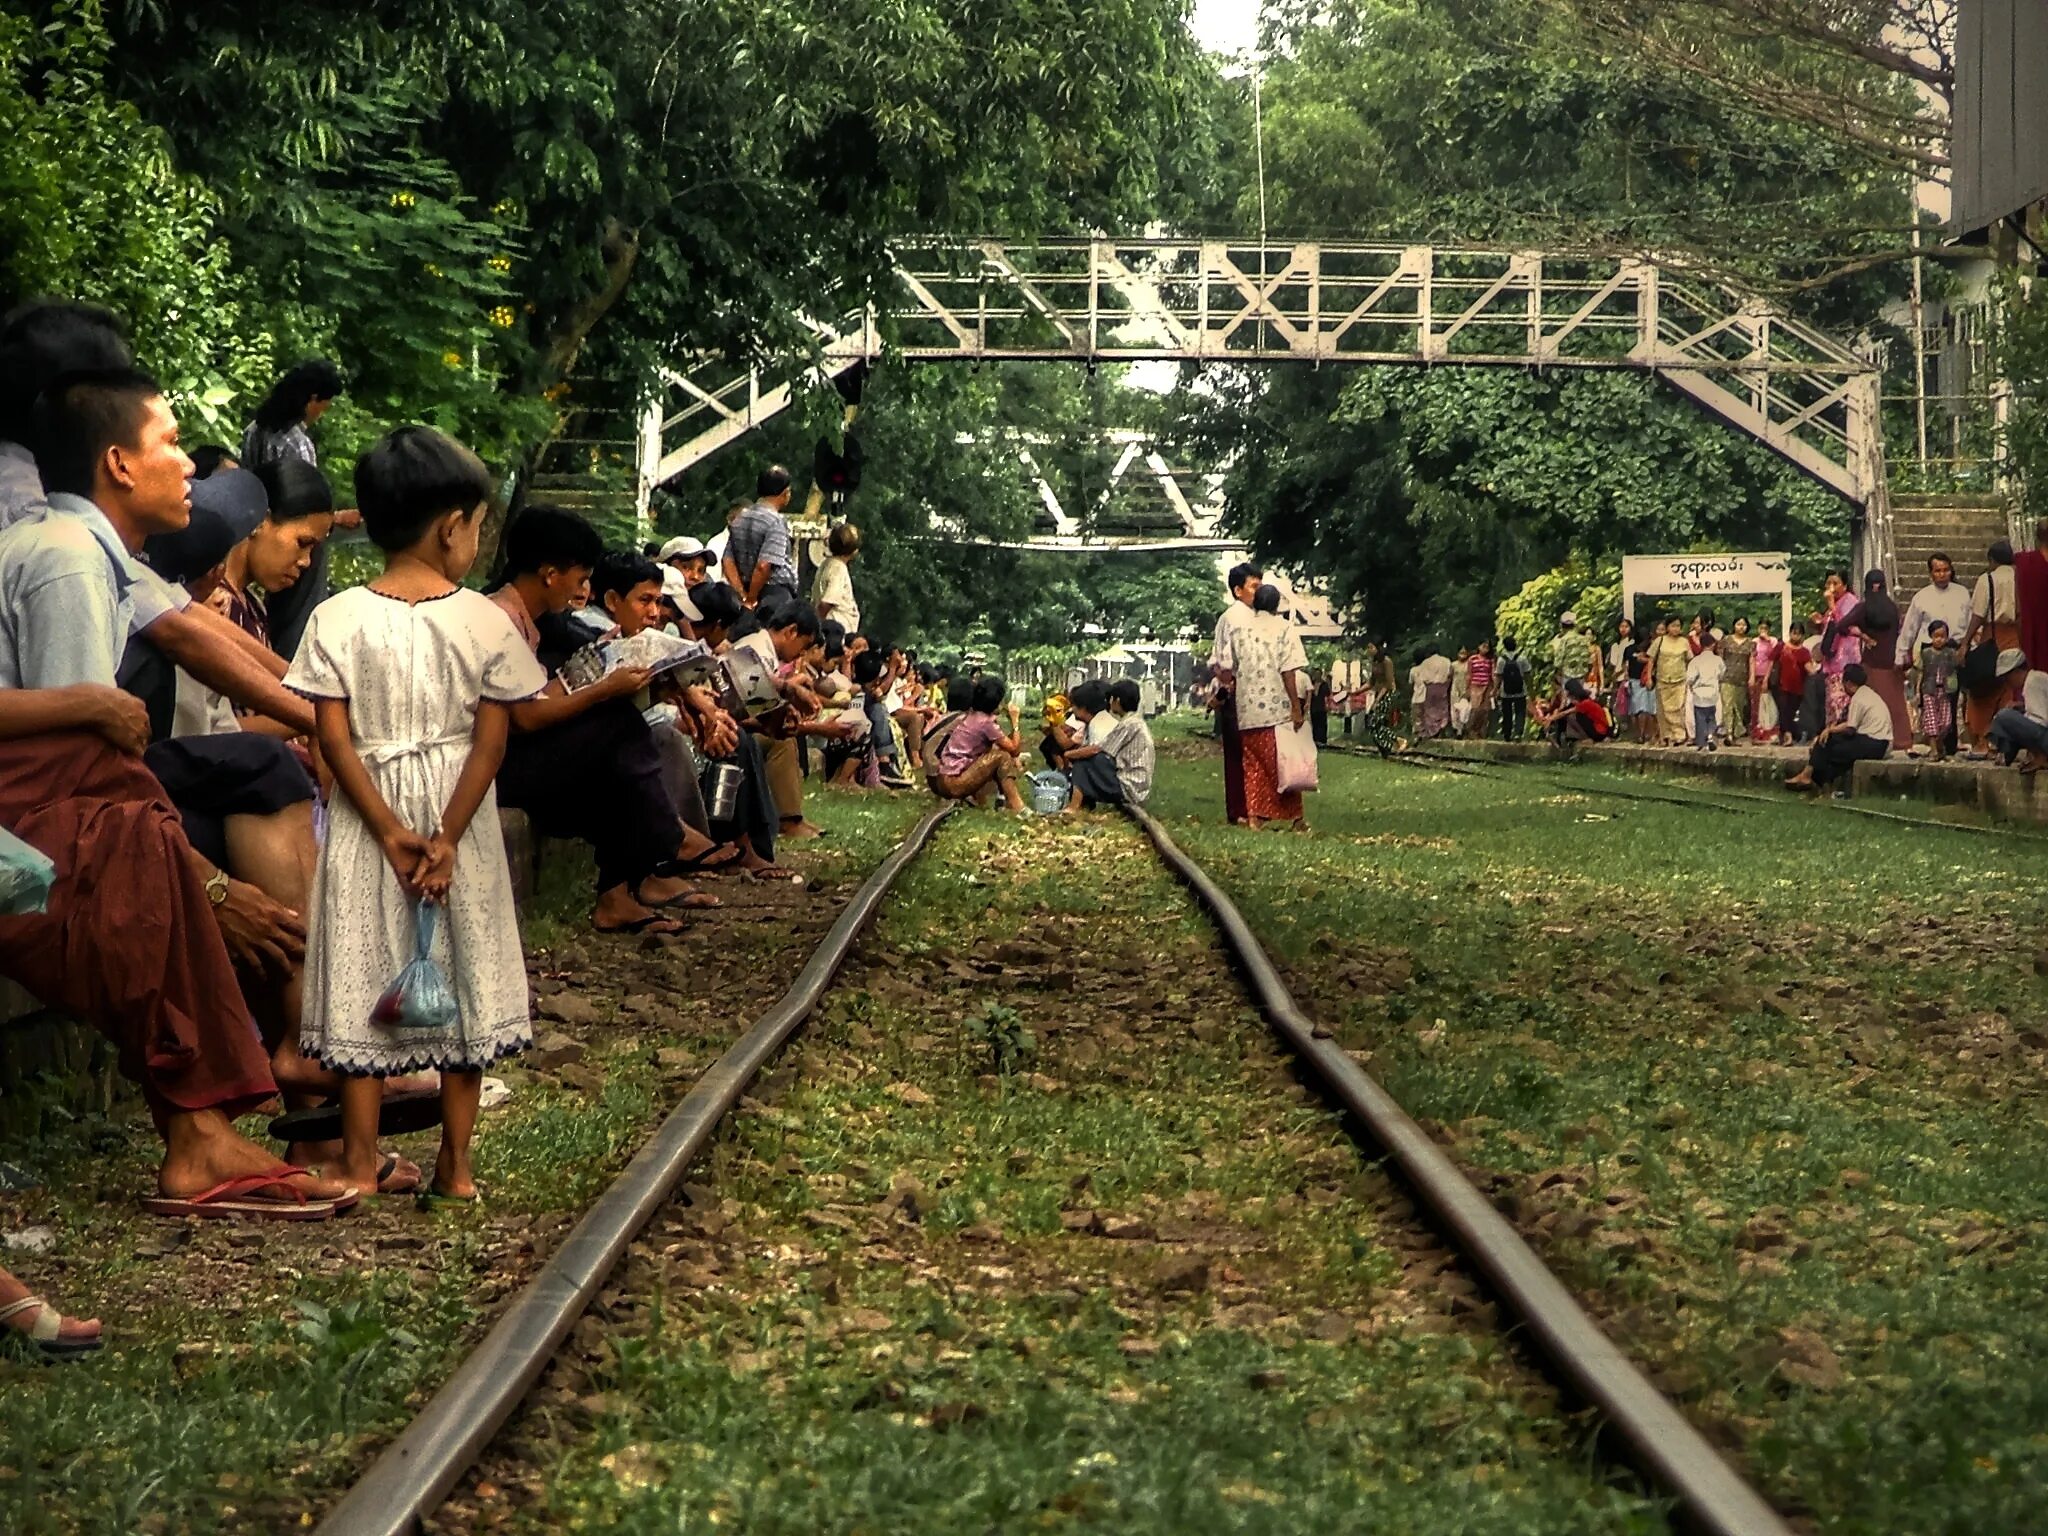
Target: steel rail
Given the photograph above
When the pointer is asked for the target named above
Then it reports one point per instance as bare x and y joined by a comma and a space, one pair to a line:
417, 1471
1446, 763
1502, 768
1661, 1441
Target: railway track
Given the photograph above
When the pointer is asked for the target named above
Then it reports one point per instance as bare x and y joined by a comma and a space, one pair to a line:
401, 1491
1740, 802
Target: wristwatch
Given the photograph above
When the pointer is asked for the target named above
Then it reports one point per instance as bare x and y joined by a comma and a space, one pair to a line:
217, 887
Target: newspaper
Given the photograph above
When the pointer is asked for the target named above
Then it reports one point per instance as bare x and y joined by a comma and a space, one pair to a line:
688, 661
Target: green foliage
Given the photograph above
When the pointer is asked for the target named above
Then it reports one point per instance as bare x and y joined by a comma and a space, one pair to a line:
92, 207
1589, 590
2026, 371
1422, 497
1001, 1031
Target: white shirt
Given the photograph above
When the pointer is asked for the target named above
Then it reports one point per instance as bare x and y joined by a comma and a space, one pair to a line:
1254, 653
2035, 697
1703, 675
1430, 672
1997, 602
1100, 724
1950, 604
200, 711
1870, 716
834, 590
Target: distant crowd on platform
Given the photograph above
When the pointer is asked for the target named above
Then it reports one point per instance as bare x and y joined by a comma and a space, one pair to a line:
1961, 671
240, 807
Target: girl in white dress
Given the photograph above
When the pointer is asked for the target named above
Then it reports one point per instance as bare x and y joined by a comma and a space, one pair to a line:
411, 678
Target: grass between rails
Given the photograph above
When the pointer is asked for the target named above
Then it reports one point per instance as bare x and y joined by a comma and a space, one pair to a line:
1766, 1088
252, 1370
1033, 1230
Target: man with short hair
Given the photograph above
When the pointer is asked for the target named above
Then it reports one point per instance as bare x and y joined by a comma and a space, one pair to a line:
1119, 771
1232, 628
40, 343
759, 559
783, 635
1864, 734
136, 937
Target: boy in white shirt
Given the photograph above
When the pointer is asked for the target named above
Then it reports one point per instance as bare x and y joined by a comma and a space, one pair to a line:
1703, 676
1119, 771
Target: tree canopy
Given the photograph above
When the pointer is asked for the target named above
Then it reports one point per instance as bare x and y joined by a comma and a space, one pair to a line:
1423, 497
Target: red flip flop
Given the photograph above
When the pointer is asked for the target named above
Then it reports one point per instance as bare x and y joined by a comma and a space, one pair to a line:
227, 1201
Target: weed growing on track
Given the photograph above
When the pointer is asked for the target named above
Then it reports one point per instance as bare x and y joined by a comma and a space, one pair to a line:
1137, 1281
252, 1371
1767, 1088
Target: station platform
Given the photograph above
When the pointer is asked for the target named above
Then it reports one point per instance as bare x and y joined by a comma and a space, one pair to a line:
1987, 792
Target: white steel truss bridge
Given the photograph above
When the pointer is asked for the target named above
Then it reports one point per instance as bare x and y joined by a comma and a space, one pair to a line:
1806, 396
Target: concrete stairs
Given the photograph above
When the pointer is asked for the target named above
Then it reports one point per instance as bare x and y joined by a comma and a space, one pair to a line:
1962, 527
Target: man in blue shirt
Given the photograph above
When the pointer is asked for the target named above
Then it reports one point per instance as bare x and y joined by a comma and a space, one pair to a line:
38, 343
134, 938
759, 560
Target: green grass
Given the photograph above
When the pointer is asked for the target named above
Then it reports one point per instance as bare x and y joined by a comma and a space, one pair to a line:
252, 1371
1765, 1086
817, 1358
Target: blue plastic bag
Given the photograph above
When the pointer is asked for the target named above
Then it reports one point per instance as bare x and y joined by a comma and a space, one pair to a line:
1050, 790
419, 996
26, 877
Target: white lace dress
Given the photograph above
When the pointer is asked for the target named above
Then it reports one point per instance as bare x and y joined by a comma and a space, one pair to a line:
412, 674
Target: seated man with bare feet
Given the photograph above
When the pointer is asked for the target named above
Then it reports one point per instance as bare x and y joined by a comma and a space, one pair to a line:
133, 942
583, 764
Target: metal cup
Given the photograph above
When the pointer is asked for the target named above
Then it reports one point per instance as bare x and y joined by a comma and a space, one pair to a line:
722, 790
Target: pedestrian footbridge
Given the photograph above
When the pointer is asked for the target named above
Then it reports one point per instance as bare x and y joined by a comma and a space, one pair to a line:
1807, 396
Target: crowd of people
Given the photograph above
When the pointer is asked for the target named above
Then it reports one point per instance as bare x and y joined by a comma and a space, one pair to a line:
260, 799
1958, 672
253, 789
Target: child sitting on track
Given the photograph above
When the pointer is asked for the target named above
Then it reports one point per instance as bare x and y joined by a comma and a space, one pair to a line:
1119, 772
412, 678
977, 752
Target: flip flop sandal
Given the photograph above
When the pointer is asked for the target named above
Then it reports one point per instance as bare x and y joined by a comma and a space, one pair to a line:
432, 1199
44, 1335
641, 925
689, 901
706, 862
226, 1200
400, 1116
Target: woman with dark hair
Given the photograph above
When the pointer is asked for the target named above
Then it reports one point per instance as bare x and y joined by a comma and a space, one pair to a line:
295, 403
279, 433
1878, 617
1841, 642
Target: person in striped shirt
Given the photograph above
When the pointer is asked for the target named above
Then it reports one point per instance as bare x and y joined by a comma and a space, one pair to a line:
1479, 685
